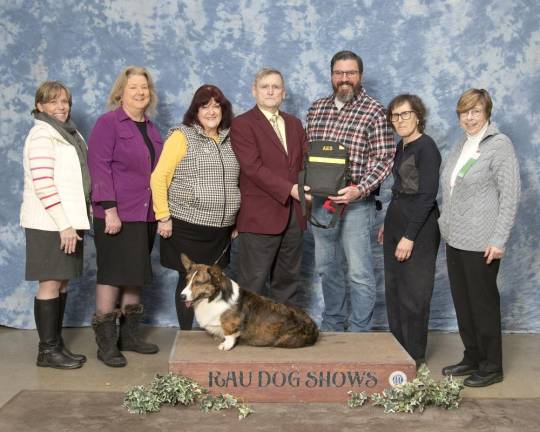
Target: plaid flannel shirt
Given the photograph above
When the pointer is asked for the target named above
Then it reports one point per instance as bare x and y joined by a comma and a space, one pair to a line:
360, 126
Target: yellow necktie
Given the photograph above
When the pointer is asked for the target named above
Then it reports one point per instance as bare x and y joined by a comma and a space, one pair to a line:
274, 123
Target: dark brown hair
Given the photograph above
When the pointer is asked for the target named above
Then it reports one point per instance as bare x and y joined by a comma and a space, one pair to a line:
347, 55
201, 97
416, 105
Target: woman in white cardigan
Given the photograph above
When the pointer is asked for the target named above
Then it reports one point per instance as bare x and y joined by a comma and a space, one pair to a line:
54, 212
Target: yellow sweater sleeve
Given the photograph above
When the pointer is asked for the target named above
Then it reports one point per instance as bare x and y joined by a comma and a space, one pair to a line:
174, 149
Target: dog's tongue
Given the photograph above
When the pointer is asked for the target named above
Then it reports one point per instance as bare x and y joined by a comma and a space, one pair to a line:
188, 304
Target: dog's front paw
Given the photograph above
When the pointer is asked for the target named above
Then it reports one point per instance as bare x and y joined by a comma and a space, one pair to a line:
224, 346
228, 343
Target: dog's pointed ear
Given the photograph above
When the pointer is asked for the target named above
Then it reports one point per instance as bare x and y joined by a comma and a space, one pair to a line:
186, 262
215, 274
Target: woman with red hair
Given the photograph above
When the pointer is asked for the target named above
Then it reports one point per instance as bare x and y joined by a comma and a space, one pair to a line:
195, 189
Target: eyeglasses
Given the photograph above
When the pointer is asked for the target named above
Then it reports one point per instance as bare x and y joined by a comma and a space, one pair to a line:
473, 112
348, 74
405, 115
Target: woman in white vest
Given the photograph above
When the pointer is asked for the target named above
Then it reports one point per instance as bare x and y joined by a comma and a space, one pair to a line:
54, 213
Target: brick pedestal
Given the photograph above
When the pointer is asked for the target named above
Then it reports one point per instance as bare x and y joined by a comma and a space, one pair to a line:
325, 372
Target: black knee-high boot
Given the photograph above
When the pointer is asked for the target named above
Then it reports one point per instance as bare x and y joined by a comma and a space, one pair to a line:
184, 314
62, 307
46, 313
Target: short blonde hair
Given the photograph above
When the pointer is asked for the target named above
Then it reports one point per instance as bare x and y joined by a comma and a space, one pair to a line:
115, 96
472, 97
48, 91
268, 71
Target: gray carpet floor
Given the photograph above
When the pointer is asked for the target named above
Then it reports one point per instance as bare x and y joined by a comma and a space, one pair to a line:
63, 411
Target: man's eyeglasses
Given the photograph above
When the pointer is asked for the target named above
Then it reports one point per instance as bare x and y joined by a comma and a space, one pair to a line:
405, 115
347, 74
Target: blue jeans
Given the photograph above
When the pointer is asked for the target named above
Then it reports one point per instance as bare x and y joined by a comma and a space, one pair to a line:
343, 261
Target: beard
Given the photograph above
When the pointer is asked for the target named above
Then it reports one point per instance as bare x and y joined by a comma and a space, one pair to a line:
345, 91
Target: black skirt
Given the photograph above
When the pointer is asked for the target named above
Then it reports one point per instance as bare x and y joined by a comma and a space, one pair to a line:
123, 259
46, 261
202, 244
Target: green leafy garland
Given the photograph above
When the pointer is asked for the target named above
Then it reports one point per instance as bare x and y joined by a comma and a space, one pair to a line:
176, 390
421, 392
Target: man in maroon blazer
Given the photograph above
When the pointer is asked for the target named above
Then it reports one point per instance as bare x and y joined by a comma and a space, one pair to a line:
270, 146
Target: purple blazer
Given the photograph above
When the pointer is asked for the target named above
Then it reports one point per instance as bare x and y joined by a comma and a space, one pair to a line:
120, 166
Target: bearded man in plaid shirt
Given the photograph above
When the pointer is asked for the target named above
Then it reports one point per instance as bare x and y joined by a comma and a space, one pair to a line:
343, 256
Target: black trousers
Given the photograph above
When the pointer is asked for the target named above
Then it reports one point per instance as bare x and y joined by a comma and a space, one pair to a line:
477, 303
274, 257
409, 284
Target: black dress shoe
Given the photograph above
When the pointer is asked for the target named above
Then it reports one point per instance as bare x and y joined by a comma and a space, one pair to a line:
483, 379
460, 369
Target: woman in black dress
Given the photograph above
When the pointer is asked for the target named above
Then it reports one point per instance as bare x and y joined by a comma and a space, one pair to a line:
410, 233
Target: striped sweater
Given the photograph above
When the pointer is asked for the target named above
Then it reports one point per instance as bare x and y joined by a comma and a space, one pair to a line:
53, 196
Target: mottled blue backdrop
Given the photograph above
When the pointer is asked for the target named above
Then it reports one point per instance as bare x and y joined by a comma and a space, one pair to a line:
436, 49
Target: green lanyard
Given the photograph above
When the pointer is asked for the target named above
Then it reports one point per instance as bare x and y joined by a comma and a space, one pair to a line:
465, 168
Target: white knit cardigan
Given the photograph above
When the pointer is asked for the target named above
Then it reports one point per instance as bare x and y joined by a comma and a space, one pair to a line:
72, 211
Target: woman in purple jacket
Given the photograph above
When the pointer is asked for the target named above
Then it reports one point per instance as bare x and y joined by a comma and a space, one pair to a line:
123, 149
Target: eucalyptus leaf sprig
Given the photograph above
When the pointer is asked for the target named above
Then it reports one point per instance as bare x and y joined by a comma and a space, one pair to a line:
415, 395
138, 400
176, 390
225, 401
357, 399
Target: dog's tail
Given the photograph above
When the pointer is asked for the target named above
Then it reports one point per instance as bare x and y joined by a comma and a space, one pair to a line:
302, 332
312, 335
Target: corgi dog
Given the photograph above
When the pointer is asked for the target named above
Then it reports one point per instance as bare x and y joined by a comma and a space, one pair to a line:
232, 313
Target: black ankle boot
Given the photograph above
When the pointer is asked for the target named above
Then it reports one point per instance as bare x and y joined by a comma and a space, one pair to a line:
62, 307
106, 331
130, 339
50, 355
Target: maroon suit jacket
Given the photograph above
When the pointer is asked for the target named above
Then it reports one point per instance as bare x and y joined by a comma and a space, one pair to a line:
267, 171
